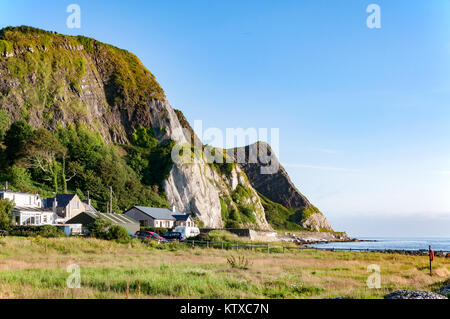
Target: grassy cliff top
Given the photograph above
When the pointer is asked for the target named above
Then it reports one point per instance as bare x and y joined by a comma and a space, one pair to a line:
129, 75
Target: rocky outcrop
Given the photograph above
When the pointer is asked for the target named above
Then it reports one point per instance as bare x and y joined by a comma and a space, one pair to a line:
409, 294
316, 221
278, 187
276, 184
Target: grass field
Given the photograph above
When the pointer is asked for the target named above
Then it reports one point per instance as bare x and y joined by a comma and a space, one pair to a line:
37, 268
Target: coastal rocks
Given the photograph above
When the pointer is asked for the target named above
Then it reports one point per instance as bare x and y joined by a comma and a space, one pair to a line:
409, 294
445, 290
315, 237
316, 222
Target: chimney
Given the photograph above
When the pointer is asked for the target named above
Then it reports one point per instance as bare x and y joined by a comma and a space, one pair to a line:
55, 204
174, 209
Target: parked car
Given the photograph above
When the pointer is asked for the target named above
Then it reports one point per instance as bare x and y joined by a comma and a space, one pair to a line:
132, 235
172, 235
149, 235
187, 232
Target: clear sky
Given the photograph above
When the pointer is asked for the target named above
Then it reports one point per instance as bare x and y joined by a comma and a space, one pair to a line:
363, 113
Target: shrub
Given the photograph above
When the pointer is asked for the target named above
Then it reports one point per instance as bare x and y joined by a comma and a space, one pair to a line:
6, 207
241, 262
100, 228
105, 229
46, 231
119, 234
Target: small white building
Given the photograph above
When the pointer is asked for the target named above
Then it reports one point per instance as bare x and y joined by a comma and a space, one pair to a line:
22, 199
28, 209
29, 216
151, 217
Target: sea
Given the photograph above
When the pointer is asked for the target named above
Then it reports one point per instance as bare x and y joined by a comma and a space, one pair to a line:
382, 243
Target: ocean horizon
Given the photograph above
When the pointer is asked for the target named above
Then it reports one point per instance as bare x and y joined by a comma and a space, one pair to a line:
394, 243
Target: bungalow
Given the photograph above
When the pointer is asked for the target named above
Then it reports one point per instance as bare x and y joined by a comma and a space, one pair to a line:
159, 217
87, 218
152, 217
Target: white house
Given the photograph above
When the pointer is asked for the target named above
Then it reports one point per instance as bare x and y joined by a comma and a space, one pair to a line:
22, 199
152, 217
28, 209
159, 217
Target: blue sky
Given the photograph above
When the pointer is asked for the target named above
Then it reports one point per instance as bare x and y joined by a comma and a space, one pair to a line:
363, 113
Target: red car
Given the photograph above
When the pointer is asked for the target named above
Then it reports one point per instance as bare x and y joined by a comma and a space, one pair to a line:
149, 235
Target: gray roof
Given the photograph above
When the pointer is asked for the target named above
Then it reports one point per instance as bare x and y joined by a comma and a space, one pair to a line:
180, 216
31, 209
156, 213
115, 218
89, 208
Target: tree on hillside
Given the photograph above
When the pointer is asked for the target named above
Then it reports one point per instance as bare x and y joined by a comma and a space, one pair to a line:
6, 207
16, 139
43, 151
4, 123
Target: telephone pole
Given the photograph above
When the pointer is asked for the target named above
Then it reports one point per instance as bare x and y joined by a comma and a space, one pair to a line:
110, 198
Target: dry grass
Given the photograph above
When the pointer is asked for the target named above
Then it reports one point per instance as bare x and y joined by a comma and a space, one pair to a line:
31, 268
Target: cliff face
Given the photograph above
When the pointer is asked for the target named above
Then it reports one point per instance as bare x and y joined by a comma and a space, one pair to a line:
278, 187
53, 80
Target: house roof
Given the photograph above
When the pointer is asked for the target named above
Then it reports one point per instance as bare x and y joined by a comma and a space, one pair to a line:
89, 208
181, 217
115, 218
64, 199
156, 213
31, 209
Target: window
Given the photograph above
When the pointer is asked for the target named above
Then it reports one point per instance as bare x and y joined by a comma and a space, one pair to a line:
44, 219
143, 223
75, 204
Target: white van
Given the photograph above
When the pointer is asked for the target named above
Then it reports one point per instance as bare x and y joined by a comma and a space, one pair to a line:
187, 232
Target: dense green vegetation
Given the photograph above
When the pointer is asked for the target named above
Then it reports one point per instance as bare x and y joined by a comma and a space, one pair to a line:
149, 159
6, 207
281, 217
105, 229
76, 159
45, 62
238, 210
46, 231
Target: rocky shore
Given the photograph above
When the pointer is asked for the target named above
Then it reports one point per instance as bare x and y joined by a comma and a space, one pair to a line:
315, 237
409, 294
